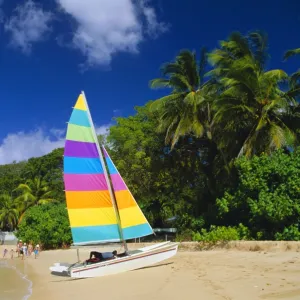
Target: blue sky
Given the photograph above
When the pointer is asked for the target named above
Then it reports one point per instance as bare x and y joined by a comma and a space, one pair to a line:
51, 50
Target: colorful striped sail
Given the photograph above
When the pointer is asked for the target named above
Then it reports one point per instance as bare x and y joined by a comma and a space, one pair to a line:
90, 209
133, 222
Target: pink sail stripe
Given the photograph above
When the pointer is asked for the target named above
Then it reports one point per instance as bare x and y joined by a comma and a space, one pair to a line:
85, 182
118, 182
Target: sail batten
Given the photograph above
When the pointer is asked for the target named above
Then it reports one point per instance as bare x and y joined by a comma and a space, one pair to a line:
133, 222
90, 208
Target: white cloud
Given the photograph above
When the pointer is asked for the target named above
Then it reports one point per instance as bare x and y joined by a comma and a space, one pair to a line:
24, 145
28, 25
103, 130
153, 28
105, 27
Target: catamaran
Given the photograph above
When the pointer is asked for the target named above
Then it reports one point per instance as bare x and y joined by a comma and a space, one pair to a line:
100, 206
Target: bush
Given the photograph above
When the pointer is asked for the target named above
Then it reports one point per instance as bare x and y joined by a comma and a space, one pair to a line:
290, 233
46, 224
221, 234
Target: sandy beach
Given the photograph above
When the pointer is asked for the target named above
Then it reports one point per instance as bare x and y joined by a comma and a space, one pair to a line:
270, 271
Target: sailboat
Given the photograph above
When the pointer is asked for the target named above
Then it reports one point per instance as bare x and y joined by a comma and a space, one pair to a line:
100, 206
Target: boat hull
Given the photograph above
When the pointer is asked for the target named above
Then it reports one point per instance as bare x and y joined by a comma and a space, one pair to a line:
135, 260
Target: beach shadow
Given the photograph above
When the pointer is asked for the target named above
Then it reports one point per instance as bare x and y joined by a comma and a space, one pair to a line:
156, 266
60, 274
65, 275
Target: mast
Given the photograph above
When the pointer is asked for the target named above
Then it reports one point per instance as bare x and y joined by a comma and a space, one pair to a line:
111, 193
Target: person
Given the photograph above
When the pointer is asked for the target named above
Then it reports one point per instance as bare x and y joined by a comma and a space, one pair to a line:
30, 248
19, 247
23, 251
5, 252
98, 256
36, 251
12, 253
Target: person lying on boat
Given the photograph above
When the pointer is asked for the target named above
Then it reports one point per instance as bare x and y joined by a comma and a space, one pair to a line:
96, 256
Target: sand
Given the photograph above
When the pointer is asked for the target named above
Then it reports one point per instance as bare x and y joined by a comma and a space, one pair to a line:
232, 273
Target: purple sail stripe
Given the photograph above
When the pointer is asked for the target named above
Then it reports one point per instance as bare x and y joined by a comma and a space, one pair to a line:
85, 182
118, 182
80, 149
105, 152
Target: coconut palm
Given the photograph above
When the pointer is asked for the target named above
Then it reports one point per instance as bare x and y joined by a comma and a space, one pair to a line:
186, 109
34, 192
8, 212
251, 109
294, 90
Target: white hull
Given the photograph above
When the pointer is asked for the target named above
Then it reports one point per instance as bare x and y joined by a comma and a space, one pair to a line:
135, 260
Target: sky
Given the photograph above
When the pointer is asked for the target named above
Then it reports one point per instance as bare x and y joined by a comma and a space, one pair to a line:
52, 50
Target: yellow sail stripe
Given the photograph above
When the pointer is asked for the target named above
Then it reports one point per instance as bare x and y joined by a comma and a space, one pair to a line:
131, 216
92, 216
80, 104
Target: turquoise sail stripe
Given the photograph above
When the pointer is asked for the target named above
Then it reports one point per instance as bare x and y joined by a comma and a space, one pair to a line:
111, 168
80, 117
79, 165
137, 231
95, 234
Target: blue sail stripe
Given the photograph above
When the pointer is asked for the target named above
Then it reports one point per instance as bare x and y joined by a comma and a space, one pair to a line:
137, 231
111, 168
79, 165
80, 118
94, 234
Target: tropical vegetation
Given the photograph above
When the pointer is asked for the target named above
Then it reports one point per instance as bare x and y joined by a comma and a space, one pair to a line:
217, 157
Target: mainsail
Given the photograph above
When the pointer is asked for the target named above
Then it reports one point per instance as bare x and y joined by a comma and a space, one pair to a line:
98, 213
133, 222
90, 208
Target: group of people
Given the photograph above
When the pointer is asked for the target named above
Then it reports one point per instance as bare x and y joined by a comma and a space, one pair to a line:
23, 250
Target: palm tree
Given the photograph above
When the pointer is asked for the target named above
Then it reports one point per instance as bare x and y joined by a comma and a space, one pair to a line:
294, 90
8, 212
186, 110
251, 109
34, 192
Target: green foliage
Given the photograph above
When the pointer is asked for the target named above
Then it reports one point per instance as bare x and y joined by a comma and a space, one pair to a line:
160, 180
8, 212
266, 197
222, 234
291, 233
48, 168
46, 224
10, 176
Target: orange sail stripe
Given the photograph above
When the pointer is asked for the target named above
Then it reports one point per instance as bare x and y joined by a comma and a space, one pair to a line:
124, 199
88, 199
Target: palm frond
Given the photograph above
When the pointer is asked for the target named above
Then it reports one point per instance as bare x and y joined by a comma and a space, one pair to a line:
291, 53
159, 83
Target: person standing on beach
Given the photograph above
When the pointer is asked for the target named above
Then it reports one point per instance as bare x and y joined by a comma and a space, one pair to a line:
25, 249
5, 252
12, 253
19, 247
36, 250
30, 248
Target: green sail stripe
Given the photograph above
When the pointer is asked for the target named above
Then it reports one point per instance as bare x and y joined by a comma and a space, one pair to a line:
80, 133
